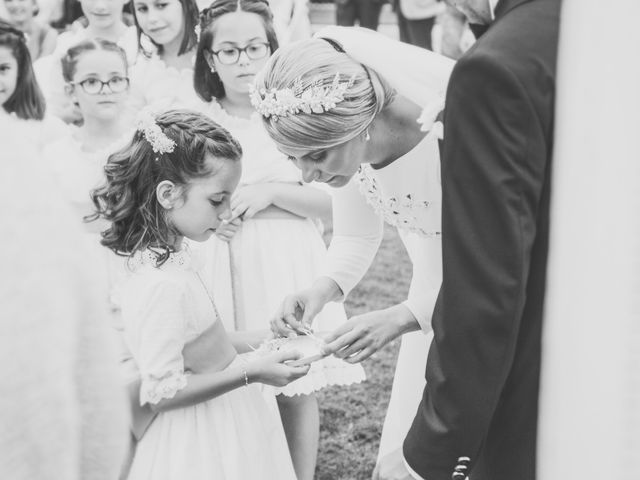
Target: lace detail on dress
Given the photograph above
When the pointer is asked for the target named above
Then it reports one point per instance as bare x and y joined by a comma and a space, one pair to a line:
401, 212
155, 389
184, 259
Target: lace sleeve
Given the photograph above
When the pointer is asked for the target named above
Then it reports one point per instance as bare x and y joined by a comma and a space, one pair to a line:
155, 323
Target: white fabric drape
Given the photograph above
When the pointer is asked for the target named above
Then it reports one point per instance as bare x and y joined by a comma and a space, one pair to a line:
590, 385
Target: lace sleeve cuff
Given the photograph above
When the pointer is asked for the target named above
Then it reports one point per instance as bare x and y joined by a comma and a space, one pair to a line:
154, 389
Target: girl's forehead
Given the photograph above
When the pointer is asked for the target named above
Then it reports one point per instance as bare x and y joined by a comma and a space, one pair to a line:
238, 27
100, 61
6, 54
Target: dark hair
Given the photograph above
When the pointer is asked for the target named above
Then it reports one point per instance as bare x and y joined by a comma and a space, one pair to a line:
128, 199
70, 59
27, 101
207, 84
189, 37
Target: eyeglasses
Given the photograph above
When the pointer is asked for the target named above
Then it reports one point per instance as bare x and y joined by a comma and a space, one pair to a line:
94, 86
231, 55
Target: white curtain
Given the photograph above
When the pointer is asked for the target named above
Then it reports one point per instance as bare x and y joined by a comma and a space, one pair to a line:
590, 385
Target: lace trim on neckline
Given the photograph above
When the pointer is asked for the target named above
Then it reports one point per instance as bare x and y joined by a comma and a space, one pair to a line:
183, 259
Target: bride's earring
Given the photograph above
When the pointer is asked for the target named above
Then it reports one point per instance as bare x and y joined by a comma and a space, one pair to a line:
367, 137
213, 70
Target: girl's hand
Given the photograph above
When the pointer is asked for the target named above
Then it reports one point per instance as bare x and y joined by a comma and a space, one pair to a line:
251, 199
363, 335
272, 369
227, 230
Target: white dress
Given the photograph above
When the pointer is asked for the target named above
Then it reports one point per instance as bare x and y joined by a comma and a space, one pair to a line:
272, 255
407, 195
77, 172
59, 397
231, 437
160, 87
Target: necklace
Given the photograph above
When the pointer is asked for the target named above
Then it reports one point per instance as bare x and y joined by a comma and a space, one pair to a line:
206, 290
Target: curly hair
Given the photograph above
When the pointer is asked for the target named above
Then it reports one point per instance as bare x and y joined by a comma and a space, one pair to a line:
27, 101
128, 199
207, 83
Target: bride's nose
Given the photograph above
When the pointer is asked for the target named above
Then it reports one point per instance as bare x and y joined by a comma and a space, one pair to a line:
310, 174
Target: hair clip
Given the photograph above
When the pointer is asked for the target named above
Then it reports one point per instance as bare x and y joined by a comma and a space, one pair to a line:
152, 132
291, 101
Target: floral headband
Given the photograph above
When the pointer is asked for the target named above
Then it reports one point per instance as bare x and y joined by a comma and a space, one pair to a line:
291, 101
153, 134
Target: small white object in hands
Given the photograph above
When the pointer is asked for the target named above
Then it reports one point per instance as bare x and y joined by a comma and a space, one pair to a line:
309, 345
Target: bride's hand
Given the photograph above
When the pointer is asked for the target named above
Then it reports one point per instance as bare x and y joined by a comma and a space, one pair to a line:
363, 335
298, 310
296, 313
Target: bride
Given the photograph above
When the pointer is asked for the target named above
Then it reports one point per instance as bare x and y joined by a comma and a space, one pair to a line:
357, 111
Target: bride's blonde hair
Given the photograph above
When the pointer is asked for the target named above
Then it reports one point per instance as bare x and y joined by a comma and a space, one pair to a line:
316, 62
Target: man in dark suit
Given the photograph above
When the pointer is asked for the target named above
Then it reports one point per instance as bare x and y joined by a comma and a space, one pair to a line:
478, 415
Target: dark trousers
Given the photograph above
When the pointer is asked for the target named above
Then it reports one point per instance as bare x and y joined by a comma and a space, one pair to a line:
415, 32
367, 12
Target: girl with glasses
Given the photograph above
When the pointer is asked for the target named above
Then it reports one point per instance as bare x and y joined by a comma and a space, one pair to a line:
96, 76
272, 243
162, 77
105, 21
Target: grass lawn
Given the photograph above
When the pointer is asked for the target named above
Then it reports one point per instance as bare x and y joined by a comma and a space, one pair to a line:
351, 417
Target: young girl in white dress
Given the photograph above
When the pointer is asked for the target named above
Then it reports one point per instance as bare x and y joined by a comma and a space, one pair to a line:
95, 72
272, 244
174, 181
105, 22
162, 77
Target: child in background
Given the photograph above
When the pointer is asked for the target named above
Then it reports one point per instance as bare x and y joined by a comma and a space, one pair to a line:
271, 246
105, 22
41, 38
162, 77
95, 72
174, 181
20, 93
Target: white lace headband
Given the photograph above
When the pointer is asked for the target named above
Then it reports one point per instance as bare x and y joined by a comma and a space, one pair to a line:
153, 134
291, 101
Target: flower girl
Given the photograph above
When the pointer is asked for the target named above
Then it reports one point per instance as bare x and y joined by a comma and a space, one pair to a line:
162, 77
175, 180
95, 72
272, 245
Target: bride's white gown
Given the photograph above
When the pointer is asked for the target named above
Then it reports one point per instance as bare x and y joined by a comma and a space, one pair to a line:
405, 194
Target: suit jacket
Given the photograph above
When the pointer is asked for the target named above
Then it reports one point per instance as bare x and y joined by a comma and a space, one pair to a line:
479, 408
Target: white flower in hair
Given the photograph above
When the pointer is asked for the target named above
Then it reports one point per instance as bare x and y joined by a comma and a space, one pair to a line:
290, 101
152, 132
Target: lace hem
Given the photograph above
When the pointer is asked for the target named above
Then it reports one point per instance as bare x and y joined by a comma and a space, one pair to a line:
329, 371
154, 389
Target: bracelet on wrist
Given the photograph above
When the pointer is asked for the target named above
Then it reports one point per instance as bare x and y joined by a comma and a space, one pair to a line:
246, 378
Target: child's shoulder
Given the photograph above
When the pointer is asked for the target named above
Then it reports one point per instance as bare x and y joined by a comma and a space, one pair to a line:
148, 284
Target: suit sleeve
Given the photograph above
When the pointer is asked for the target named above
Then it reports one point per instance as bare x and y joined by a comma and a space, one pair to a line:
493, 173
